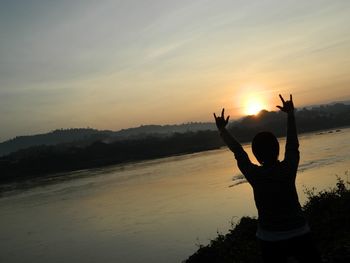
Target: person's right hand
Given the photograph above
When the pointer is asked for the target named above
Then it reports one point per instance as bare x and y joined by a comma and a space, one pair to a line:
287, 106
221, 122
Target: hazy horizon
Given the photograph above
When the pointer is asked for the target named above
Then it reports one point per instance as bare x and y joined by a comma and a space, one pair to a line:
165, 124
119, 64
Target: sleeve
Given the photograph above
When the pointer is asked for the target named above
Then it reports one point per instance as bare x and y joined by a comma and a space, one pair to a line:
292, 154
245, 165
243, 161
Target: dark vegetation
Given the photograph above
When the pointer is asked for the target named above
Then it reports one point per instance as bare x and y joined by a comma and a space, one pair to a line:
81, 136
85, 136
96, 149
314, 119
40, 160
328, 214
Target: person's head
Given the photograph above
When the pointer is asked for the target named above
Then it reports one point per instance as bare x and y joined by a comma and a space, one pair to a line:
266, 148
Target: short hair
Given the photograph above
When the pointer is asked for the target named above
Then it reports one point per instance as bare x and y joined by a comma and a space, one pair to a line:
265, 147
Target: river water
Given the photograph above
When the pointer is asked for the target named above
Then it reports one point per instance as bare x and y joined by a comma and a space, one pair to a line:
153, 211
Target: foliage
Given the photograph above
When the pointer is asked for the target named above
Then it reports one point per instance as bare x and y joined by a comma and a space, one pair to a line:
329, 215
239, 245
41, 160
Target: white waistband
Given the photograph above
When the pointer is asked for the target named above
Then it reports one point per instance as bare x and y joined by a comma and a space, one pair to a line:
281, 235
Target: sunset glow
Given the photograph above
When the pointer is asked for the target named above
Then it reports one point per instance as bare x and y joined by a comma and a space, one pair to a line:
87, 63
253, 107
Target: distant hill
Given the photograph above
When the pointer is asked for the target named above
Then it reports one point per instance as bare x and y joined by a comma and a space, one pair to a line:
344, 102
308, 119
85, 136
161, 130
100, 148
75, 135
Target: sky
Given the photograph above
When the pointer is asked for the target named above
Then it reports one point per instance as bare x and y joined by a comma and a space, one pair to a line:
117, 64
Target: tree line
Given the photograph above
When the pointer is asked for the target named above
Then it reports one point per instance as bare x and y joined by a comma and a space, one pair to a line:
46, 159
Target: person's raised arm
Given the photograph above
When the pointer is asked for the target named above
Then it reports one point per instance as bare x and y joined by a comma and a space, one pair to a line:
229, 140
241, 156
292, 143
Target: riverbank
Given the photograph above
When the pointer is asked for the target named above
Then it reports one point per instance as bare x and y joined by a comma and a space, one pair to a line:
328, 213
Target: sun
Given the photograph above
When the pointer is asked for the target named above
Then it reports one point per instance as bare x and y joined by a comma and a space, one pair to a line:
253, 107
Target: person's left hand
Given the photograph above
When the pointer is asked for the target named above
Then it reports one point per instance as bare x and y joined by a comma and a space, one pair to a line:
221, 122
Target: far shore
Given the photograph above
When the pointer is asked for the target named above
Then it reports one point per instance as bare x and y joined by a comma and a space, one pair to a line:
22, 183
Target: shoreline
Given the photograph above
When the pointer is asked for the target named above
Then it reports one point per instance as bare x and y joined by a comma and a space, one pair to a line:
19, 183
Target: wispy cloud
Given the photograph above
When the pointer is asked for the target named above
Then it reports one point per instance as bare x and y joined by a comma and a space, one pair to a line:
163, 61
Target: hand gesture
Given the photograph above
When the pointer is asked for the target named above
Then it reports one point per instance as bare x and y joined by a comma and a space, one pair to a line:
287, 106
221, 122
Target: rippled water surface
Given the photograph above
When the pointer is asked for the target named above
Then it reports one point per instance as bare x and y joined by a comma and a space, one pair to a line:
154, 211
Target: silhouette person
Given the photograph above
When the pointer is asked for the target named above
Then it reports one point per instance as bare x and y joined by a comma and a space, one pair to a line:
282, 229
